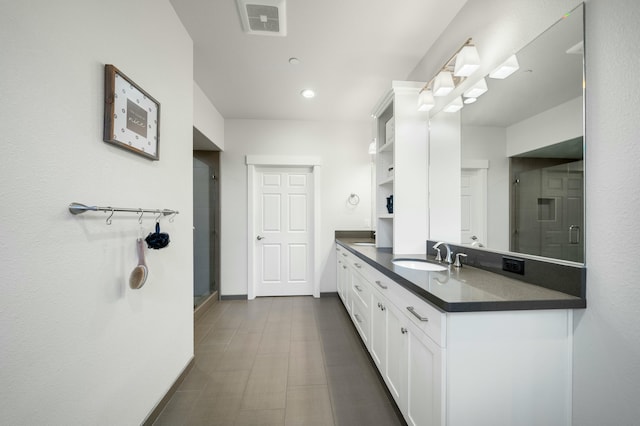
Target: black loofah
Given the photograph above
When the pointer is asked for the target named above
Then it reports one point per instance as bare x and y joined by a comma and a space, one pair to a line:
157, 240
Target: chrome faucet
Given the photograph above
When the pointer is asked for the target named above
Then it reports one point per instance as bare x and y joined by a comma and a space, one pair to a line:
457, 263
438, 256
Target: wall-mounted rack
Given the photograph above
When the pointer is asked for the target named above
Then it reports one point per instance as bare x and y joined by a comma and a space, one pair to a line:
78, 208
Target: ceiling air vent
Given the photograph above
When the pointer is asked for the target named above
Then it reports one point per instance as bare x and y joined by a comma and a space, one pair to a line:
263, 17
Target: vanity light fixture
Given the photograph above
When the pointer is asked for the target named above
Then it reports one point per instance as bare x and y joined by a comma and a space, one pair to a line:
443, 84
461, 65
477, 89
467, 61
505, 69
425, 100
308, 93
455, 105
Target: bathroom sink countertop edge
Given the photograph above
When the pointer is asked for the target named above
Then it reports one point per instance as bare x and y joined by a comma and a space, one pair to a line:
466, 289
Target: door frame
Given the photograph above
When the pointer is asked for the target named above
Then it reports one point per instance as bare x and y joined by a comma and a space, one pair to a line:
481, 168
253, 161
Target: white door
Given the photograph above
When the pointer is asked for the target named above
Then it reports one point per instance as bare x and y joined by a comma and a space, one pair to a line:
283, 221
473, 206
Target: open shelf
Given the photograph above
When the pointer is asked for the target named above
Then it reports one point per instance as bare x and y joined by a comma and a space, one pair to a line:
386, 181
387, 147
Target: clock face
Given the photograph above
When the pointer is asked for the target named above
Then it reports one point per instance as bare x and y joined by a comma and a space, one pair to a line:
135, 117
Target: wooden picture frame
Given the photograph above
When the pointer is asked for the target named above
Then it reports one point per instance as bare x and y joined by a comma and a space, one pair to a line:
131, 115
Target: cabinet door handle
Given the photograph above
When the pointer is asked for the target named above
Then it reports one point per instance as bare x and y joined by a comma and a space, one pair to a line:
358, 288
357, 265
357, 318
344, 267
344, 254
417, 315
403, 330
381, 285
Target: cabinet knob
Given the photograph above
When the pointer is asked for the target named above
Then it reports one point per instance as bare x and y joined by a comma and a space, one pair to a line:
403, 330
358, 288
357, 265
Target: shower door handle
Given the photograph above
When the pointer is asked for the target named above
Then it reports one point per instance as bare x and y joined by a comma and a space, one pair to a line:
574, 230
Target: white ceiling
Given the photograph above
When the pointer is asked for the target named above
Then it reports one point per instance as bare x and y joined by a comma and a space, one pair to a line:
350, 51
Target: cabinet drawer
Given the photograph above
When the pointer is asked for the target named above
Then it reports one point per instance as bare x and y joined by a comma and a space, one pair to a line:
427, 318
377, 279
361, 319
360, 290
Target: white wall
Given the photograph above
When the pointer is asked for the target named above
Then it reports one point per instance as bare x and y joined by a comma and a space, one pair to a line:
607, 333
555, 125
208, 121
345, 170
79, 346
489, 143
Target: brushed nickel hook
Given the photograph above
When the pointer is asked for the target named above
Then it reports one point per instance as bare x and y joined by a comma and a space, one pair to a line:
140, 218
110, 216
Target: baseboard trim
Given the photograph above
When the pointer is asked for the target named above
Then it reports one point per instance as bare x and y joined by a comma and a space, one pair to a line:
329, 294
234, 297
202, 308
155, 413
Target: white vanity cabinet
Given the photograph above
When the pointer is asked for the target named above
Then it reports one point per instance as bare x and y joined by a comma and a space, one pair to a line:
462, 368
342, 276
410, 363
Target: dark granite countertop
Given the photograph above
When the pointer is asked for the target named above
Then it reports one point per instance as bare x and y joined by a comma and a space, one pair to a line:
465, 289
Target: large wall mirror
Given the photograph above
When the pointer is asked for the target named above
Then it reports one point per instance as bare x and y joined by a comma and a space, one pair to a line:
506, 172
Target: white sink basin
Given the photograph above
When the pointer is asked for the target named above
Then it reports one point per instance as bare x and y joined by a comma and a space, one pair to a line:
419, 264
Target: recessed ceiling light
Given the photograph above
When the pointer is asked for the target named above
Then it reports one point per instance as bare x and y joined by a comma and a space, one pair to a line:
294, 61
308, 93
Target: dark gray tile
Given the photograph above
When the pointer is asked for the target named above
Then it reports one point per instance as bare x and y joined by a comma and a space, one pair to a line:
271, 361
308, 405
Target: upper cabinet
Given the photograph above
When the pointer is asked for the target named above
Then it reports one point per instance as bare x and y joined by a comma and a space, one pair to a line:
401, 170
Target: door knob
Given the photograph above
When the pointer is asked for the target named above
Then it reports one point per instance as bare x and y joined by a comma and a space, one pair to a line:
259, 237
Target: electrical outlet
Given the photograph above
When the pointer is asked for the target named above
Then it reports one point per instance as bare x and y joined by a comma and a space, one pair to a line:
511, 264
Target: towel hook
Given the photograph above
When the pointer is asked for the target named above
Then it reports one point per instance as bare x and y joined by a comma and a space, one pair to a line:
159, 214
173, 216
110, 216
140, 217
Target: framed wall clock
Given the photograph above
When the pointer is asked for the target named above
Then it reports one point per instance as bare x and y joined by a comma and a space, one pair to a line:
131, 115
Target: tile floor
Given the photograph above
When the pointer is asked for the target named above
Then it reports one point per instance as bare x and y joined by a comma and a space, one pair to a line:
279, 361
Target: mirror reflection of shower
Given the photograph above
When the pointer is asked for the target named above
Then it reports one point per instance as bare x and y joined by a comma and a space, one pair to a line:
547, 217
